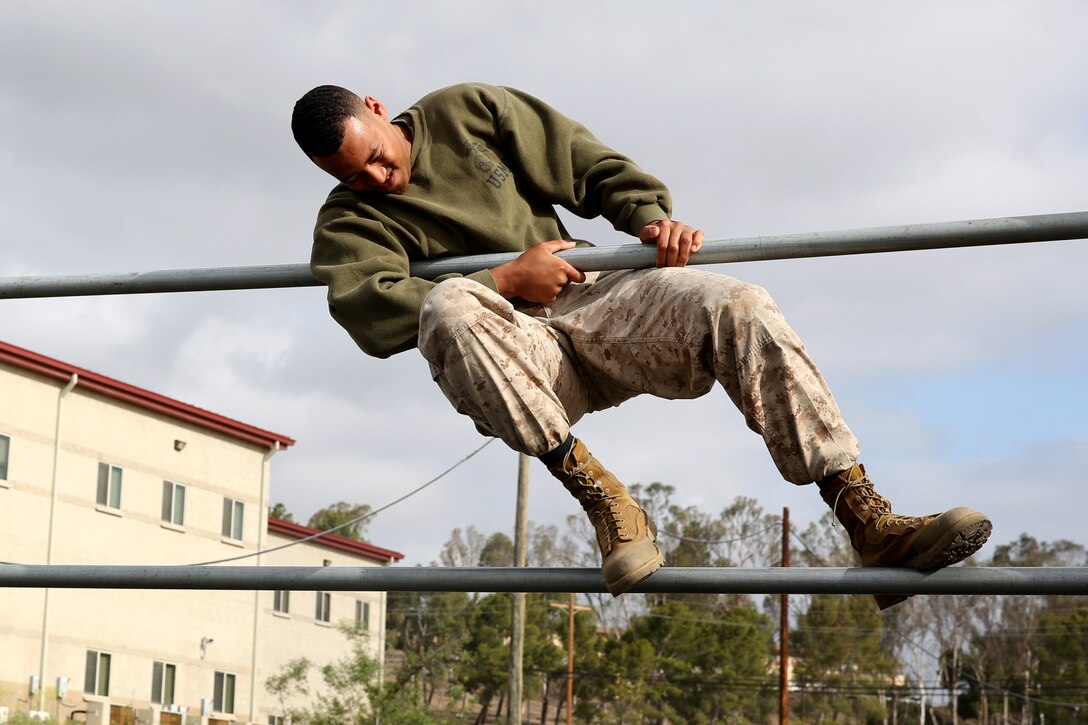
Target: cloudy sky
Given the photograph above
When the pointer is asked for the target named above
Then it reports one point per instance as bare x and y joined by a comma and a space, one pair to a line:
141, 136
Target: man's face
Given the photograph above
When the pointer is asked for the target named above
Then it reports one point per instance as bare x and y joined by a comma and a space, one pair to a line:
374, 156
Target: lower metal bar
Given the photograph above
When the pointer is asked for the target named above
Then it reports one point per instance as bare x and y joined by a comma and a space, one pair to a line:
910, 237
673, 580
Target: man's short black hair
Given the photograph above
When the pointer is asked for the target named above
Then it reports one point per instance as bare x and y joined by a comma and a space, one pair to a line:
318, 119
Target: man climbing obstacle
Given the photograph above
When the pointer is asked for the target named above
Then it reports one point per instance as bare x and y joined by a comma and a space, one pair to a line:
527, 348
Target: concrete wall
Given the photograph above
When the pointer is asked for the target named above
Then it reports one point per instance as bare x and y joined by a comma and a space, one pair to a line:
138, 628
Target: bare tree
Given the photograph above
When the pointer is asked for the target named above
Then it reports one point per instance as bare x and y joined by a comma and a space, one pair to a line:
463, 548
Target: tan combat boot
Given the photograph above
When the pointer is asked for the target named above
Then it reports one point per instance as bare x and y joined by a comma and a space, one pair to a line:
625, 534
887, 539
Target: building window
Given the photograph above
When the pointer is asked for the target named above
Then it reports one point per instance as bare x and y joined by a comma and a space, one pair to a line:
97, 679
162, 683
109, 486
277, 720
173, 503
362, 614
5, 447
233, 515
281, 601
324, 607
223, 697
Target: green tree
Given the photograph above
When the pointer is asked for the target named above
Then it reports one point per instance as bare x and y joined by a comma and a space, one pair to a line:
498, 551
838, 644
741, 535
279, 511
706, 667
1004, 651
545, 648
1061, 646
429, 629
484, 666
339, 514
621, 681
688, 541
590, 672
289, 682
354, 693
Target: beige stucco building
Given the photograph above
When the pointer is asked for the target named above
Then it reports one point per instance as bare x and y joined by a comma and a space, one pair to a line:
96, 471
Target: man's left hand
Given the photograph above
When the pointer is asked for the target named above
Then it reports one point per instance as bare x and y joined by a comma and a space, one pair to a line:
675, 241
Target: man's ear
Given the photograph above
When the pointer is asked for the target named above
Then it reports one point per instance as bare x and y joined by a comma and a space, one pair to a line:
376, 107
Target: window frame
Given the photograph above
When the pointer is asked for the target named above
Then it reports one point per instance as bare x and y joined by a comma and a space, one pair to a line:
173, 503
362, 614
93, 673
234, 512
108, 493
281, 601
222, 695
323, 608
160, 683
5, 457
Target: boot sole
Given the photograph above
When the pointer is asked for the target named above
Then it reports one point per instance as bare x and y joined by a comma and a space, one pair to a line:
883, 601
962, 539
635, 576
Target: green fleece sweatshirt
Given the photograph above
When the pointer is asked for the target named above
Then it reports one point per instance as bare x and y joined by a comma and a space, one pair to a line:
488, 165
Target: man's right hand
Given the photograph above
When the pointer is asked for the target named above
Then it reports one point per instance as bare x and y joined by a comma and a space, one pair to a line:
537, 275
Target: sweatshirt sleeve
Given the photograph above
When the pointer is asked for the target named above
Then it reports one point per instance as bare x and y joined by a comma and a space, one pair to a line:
567, 165
371, 294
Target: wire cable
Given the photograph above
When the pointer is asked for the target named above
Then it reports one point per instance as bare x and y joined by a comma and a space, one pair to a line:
334, 529
355, 520
754, 534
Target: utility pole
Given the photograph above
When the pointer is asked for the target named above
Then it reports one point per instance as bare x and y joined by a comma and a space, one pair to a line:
517, 619
571, 608
784, 631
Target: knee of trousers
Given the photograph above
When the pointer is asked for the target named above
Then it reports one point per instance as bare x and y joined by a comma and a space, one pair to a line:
749, 326
750, 300
452, 306
750, 305
725, 301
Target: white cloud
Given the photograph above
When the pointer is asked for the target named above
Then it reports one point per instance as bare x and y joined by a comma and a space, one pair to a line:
156, 136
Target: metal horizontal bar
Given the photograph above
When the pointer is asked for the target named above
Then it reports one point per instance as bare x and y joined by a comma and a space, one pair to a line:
675, 580
871, 240
208, 279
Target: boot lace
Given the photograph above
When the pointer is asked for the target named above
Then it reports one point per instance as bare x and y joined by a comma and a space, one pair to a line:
603, 509
872, 501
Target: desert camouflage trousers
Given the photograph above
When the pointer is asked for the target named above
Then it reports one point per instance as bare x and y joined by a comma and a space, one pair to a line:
527, 373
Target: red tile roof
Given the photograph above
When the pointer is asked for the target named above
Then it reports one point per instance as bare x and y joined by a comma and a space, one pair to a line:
87, 380
334, 541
